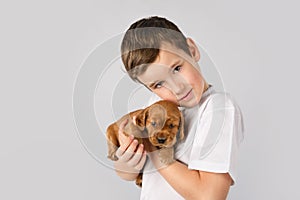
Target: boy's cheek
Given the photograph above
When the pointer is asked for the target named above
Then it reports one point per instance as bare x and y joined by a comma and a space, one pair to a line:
166, 95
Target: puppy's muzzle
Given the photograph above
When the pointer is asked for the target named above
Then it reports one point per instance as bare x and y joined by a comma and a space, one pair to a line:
162, 139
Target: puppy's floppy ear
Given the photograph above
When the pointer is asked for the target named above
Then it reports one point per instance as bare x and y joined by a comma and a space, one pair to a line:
181, 129
140, 119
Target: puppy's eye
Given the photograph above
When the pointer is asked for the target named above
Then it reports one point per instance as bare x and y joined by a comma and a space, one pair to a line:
153, 124
171, 126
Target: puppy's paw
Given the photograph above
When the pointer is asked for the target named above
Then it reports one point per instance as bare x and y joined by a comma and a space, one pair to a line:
112, 149
113, 157
166, 155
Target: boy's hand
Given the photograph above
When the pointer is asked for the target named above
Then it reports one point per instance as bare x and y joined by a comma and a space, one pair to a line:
131, 155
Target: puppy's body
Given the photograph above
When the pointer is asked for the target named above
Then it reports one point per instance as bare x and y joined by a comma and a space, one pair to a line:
161, 124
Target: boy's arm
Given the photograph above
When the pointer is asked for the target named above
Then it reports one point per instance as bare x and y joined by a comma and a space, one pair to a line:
194, 184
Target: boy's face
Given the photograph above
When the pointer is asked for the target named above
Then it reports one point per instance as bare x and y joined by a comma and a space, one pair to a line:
175, 78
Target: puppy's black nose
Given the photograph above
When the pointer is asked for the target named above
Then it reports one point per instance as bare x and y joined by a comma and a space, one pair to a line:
161, 140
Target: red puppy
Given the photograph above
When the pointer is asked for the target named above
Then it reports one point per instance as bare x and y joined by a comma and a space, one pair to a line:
161, 124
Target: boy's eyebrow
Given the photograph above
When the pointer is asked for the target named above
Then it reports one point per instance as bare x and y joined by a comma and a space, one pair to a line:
174, 64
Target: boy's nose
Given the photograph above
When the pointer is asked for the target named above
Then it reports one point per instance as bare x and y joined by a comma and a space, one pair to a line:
176, 86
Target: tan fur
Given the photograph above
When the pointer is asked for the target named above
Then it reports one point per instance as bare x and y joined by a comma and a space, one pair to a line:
159, 123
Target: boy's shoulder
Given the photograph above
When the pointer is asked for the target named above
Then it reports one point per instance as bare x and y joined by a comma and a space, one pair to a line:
215, 100
221, 100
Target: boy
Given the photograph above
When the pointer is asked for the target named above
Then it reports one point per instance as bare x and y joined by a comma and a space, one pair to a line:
156, 54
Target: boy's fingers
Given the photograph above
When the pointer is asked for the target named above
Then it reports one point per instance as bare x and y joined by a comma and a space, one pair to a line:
140, 165
125, 143
129, 151
137, 156
132, 147
119, 152
124, 146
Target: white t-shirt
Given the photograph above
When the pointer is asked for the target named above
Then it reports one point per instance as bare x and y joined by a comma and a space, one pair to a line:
213, 132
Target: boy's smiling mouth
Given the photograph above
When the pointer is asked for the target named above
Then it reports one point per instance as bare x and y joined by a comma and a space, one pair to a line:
187, 96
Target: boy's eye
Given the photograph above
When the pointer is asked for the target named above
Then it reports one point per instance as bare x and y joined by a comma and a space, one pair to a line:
177, 68
158, 85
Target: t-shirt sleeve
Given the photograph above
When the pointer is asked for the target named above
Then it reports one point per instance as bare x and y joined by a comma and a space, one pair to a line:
218, 137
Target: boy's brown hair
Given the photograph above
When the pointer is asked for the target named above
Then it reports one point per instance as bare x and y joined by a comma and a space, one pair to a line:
142, 41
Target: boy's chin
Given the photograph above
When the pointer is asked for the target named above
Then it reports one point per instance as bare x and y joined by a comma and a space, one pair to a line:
189, 104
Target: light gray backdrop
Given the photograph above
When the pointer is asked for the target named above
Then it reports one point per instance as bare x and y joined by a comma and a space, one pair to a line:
43, 45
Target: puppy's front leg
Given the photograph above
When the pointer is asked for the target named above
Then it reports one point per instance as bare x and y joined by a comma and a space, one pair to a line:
166, 155
112, 149
112, 141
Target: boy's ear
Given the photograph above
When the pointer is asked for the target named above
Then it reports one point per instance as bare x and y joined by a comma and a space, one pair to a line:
193, 49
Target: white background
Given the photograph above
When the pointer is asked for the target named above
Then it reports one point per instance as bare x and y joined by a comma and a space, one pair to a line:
255, 45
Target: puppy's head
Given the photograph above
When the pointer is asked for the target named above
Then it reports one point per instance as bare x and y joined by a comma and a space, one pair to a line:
163, 122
